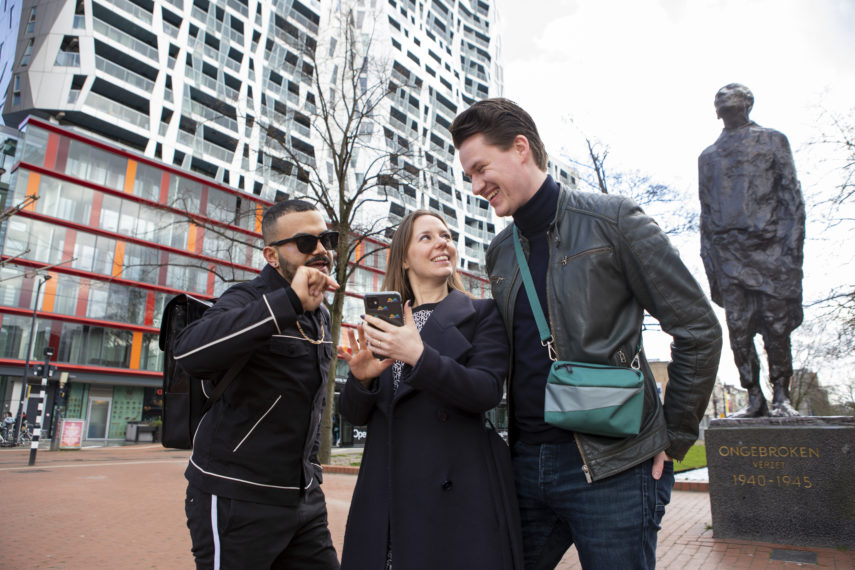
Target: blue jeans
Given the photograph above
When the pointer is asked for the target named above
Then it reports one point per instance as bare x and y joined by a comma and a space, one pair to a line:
613, 522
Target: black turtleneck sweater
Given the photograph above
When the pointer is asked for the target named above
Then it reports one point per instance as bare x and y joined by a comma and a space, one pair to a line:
531, 359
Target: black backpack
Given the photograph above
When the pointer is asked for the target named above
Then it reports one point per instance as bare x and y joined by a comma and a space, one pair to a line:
186, 398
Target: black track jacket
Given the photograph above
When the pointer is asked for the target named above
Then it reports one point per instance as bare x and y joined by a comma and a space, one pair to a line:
259, 441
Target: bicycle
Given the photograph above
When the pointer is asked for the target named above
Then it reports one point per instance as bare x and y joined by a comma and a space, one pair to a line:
25, 438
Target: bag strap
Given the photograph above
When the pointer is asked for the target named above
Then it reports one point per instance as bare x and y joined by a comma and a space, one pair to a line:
546, 339
224, 382
533, 300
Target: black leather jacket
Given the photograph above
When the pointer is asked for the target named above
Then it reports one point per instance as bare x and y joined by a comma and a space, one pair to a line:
608, 263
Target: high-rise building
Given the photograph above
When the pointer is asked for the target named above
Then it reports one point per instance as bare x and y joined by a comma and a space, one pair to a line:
180, 81
200, 84
141, 114
446, 54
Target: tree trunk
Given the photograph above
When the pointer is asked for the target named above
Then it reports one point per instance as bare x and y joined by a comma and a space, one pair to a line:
326, 420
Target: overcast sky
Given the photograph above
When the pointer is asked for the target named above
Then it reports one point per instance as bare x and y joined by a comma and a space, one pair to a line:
640, 76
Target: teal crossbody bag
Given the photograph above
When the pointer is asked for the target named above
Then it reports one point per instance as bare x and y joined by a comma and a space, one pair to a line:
588, 398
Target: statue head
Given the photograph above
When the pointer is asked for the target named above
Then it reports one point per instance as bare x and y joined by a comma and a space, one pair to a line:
733, 103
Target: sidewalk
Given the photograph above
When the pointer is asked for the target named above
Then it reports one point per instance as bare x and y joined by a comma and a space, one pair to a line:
122, 507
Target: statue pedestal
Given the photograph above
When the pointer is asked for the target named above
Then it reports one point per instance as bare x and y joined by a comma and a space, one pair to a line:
783, 480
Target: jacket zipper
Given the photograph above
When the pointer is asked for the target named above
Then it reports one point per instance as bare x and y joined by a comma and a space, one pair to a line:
565, 260
255, 425
585, 469
510, 290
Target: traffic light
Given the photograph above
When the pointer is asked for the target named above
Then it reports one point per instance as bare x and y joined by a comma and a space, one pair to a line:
40, 371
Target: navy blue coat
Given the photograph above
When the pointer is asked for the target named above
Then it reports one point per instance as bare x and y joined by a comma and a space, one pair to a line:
426, 467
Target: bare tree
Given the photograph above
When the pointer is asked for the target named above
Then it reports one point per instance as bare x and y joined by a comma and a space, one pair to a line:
836, 142
808, 396
355, 162
835, 146
662, 200
845, 396
599, 153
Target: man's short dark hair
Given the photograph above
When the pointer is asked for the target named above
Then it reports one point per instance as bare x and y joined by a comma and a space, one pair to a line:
500, 121
276, 211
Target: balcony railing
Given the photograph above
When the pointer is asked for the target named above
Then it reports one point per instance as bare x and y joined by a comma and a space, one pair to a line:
170, 30
238, 7
234, 36
233, 65
211, 115
132, 9
215, 86
67, 59
125, 75
116, 110
308, 24
115, 34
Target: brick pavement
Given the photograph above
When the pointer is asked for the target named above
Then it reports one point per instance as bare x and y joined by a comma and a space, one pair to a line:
122, 507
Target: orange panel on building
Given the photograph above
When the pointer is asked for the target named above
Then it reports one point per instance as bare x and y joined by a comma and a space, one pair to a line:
130, 175
118, 259
136, 350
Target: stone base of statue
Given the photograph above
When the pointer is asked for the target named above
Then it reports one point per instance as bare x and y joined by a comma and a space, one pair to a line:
783, 480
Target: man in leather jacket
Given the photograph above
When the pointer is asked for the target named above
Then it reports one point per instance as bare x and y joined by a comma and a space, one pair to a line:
254, 497
597, 262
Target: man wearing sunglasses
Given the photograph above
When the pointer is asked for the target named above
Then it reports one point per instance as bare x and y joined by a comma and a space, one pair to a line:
254, 497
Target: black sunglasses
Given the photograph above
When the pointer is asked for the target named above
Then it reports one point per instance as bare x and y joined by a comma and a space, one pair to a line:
307, 243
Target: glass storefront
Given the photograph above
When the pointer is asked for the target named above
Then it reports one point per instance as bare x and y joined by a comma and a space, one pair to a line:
119, 235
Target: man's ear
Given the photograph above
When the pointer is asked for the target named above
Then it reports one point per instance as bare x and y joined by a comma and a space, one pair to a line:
522, 147
271, 256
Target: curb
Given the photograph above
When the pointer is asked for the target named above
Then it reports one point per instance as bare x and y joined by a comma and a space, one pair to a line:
697, 486
344, 469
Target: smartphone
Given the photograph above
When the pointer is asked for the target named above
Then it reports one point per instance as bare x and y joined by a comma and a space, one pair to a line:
385, 305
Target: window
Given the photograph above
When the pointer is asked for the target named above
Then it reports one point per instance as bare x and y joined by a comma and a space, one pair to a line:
140, 264
16, 91
31, 23
84, 251
73, 202
106, 250
151, 357
65, 301
110, 206
130, 211
13, 336
147, 182
28, 51
69, 52
95, 165
148, 223
116, 348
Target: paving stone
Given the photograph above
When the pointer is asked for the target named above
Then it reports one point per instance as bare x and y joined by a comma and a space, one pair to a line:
123, 508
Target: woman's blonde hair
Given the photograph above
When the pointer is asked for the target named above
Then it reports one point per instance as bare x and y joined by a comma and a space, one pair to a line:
396, 276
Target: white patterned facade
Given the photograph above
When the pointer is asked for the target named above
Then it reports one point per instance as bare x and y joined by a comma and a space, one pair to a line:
187, 82
198, 83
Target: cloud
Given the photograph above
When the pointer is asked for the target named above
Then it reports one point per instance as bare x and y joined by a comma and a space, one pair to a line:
640, 75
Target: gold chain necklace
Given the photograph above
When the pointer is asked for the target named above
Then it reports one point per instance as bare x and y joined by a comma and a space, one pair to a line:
313, 341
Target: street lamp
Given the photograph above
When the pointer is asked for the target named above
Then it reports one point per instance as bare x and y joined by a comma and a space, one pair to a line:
44, 279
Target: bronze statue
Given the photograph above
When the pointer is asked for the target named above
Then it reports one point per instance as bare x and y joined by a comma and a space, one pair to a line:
752, 236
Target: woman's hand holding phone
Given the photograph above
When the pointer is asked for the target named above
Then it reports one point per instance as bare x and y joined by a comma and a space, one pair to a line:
402, 343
